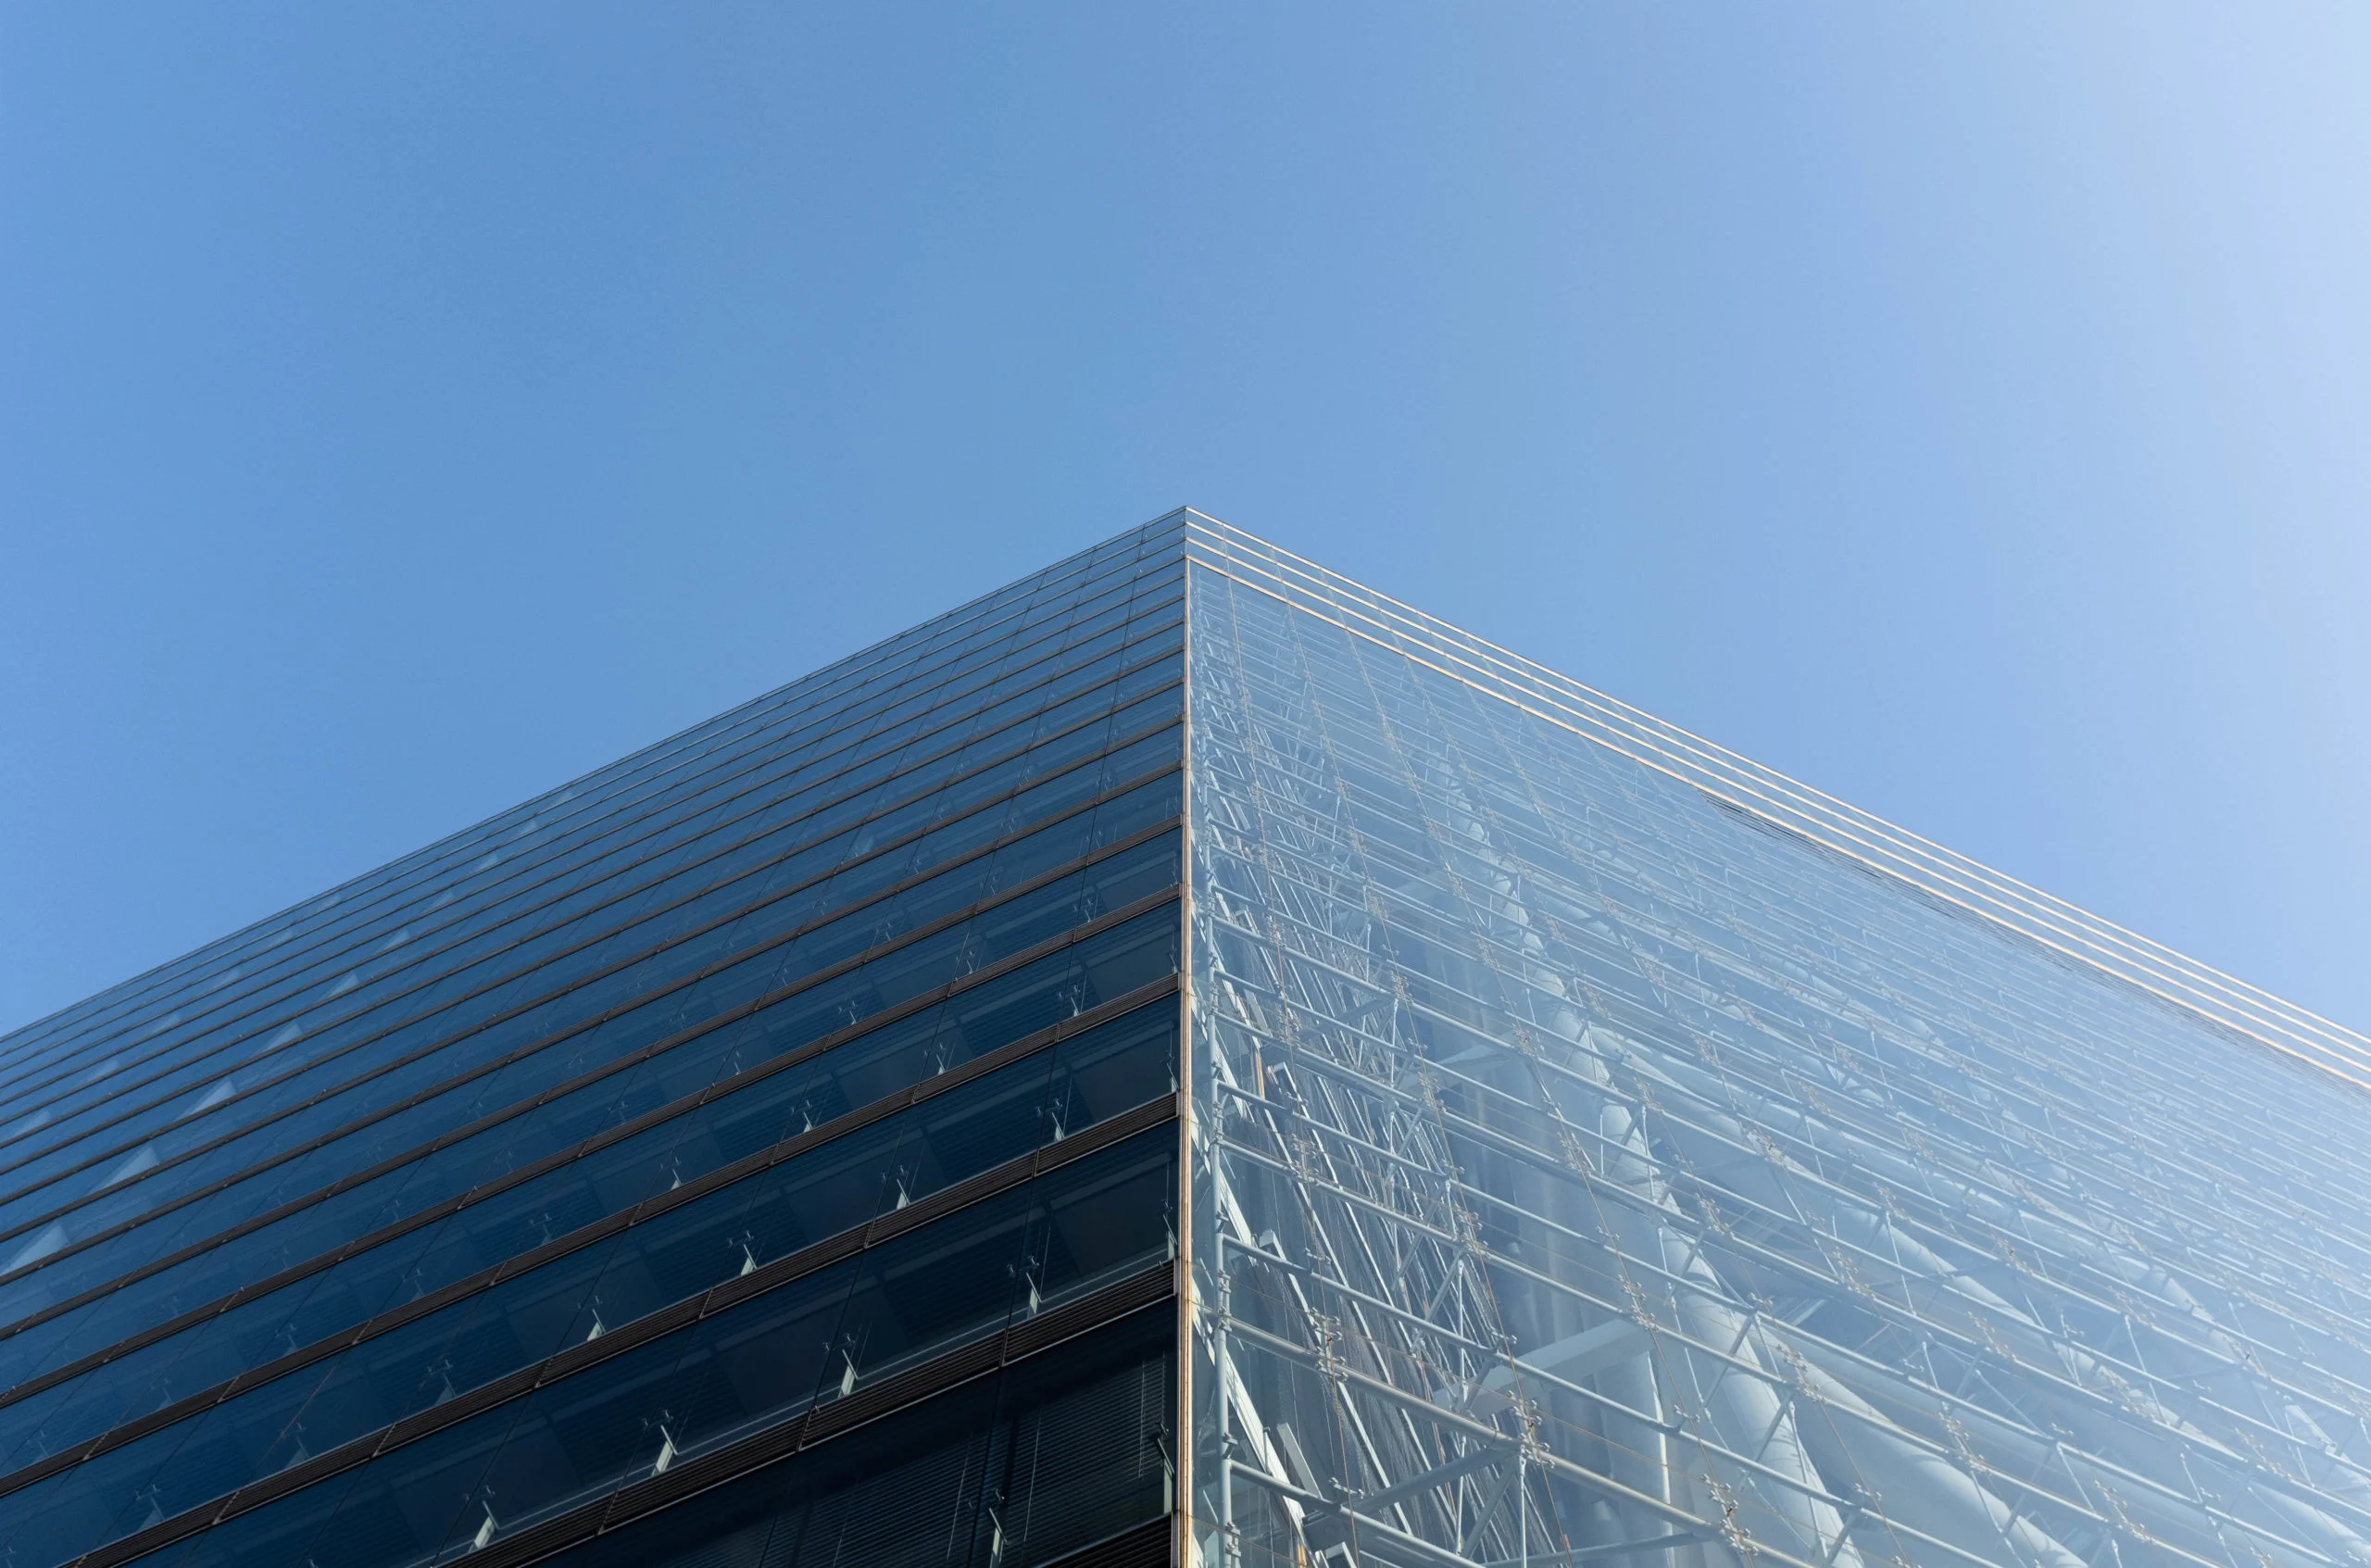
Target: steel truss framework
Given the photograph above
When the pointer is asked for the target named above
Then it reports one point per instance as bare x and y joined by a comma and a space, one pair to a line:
1587, 1170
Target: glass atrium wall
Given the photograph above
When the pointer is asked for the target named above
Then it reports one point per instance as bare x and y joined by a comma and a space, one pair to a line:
765, 1148
1590, 1170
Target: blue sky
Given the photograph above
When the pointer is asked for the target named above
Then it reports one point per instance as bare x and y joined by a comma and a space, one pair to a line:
1966, 408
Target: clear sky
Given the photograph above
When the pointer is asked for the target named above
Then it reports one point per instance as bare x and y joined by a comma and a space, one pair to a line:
1964, 407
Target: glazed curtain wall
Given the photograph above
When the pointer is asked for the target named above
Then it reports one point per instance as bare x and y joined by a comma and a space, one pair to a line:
1590, 1171
815, 1067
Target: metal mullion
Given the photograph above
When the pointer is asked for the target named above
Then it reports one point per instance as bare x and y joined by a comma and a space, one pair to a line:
1189, 1306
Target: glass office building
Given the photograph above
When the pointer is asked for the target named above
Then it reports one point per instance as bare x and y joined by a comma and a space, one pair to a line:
1185, 1060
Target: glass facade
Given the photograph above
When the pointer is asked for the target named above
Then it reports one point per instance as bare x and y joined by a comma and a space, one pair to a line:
1184, 1061
1608, 1151
772, 1139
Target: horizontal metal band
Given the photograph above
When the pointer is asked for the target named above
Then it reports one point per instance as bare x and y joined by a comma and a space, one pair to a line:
591, 1235
1149, 1545
1148, 1287
113, 1151
756, 763
379, 1168
1134, 1548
